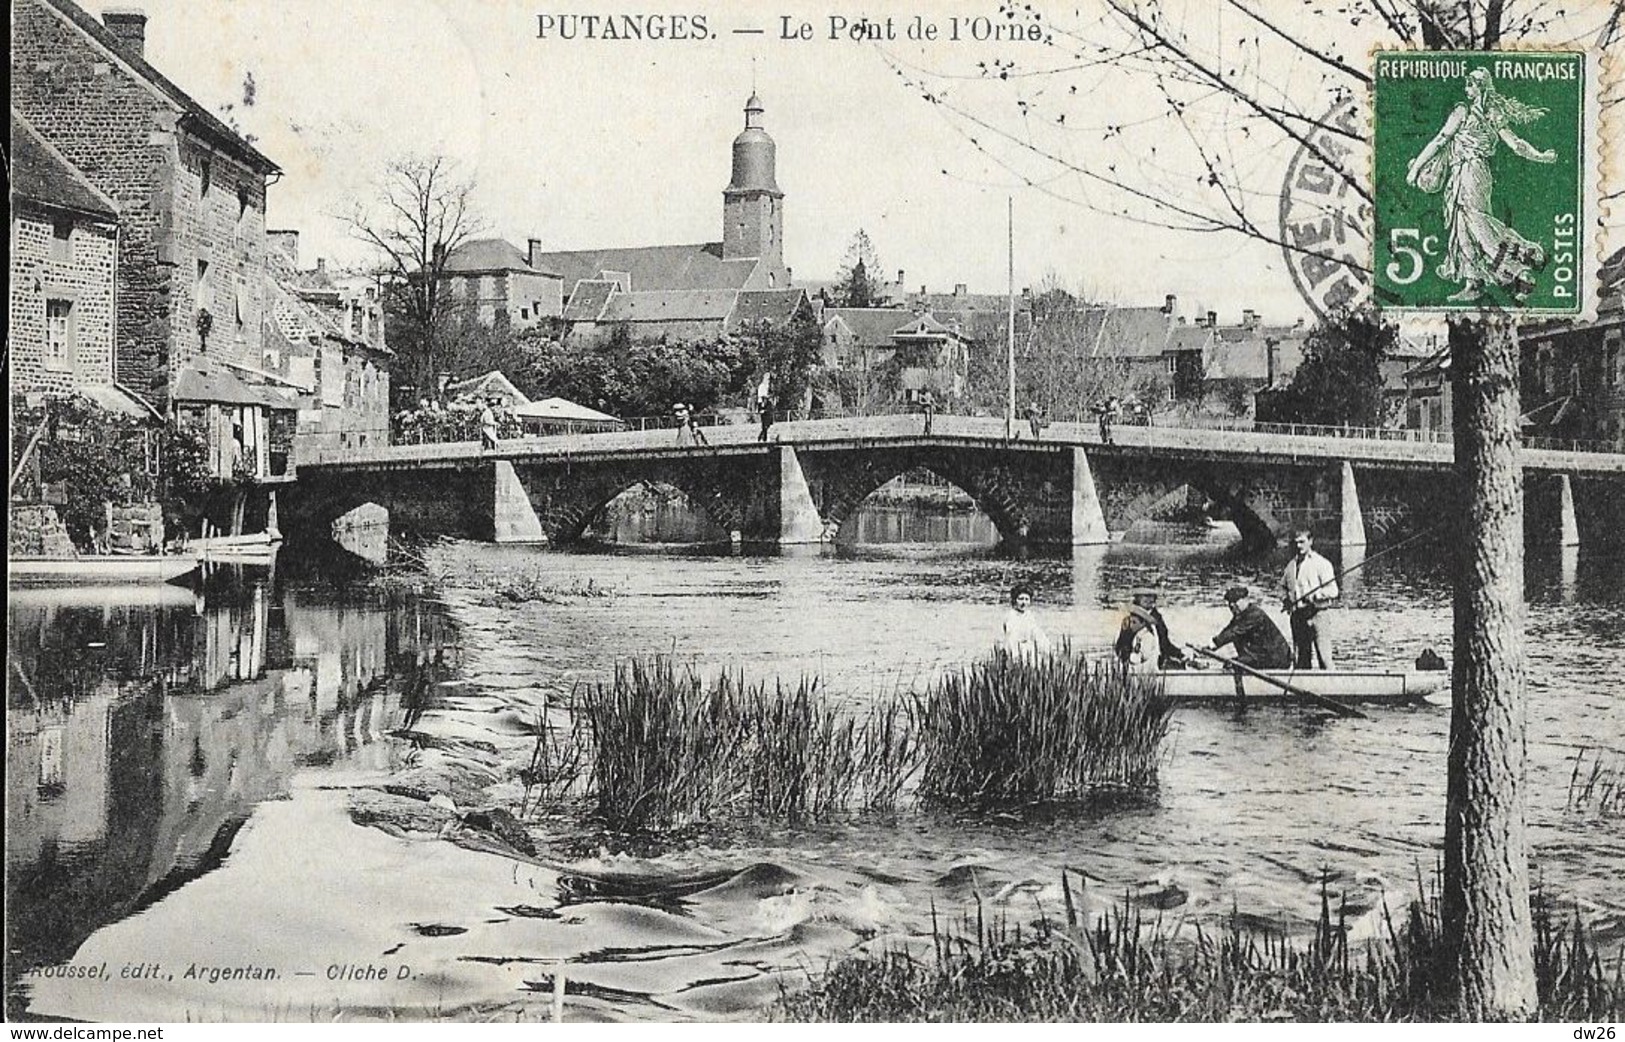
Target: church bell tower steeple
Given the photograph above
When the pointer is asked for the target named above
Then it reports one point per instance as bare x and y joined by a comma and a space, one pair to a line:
752, 204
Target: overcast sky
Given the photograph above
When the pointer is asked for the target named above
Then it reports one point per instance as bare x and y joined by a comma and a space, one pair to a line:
584, 143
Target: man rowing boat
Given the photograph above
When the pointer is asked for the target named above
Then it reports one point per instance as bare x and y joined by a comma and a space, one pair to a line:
1258, 641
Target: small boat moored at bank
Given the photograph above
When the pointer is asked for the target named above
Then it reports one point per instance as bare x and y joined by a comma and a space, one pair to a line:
99, 569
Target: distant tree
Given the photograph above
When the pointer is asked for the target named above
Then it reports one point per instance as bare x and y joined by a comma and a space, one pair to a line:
792, 353
419, 213
628, 377
1339, 381
858, 284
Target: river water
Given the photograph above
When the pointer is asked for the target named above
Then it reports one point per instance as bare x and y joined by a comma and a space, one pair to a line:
193, 780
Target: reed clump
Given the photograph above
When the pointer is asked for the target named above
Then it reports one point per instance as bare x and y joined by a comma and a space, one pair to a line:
1124, 969
668, 748
1013, 728
672, 749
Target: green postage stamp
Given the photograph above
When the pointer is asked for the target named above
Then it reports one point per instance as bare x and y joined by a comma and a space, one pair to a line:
1484, 175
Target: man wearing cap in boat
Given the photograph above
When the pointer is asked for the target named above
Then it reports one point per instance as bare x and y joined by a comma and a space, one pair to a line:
1258, 641
1168, 655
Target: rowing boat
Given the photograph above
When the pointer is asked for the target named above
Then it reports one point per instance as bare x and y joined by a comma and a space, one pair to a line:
98, 569
1373, 687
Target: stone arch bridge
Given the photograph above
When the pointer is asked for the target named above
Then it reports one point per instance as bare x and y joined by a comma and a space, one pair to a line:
1066, 488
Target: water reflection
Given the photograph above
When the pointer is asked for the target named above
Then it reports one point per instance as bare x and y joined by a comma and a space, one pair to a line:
140, 737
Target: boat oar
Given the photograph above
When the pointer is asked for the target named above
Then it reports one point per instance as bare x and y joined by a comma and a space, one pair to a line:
1292, 689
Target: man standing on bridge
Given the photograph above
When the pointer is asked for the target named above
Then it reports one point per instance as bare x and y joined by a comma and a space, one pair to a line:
1309, 586
928, 405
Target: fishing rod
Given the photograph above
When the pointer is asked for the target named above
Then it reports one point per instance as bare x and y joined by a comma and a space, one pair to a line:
1303, 598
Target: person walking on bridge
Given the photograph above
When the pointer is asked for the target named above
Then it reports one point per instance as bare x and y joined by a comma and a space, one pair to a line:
1309, 586
764, 404
1035, 419
928, 405
488, 425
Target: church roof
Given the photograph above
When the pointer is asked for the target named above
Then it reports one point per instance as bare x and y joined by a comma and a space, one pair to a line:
694, 305
41, 174
685, 267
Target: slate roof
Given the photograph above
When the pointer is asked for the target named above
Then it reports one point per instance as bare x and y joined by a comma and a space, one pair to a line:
204, 383
870, 327
587, 302
1113, 332
694, 305
767, 305
477, 255
41, 174
486, 385
207, 123
652, 268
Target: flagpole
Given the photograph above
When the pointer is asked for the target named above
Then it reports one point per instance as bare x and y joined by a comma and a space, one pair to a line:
1010, 333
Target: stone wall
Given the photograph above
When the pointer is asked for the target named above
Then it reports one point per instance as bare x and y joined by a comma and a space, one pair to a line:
37, 531
79, 271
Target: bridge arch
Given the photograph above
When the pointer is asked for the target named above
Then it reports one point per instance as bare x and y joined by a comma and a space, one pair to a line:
565, 504
846, 482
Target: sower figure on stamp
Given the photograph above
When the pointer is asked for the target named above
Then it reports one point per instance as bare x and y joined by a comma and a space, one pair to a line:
1309, 586
1480, 248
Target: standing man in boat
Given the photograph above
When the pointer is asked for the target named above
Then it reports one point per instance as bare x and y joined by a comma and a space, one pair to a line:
1022, 634
1309, 586
1258, 641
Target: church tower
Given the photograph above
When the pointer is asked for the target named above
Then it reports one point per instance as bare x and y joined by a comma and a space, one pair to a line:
752, 205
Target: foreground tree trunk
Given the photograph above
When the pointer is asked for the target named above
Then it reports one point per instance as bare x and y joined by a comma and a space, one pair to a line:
1488, 935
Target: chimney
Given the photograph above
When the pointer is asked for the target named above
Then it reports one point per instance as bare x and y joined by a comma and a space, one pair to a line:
922, 289
321, 265
534, 246
899, 278
1213, 320
1272, 361
1249, 318
959, 289
789, 276
1170, 304
129, 25
286, 240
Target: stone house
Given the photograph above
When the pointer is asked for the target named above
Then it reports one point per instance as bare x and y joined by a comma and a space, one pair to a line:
64, 244
491, 282
188, 190
324, 343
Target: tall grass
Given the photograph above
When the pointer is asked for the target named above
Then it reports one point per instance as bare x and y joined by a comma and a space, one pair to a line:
670, 749
1014, 728
1124, 969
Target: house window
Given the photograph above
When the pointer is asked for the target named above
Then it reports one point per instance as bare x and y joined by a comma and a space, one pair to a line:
239, 303
206, 175
1610, 373
524, 314
242, 202
59, 333
204, 297
1172, 366
62, 240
